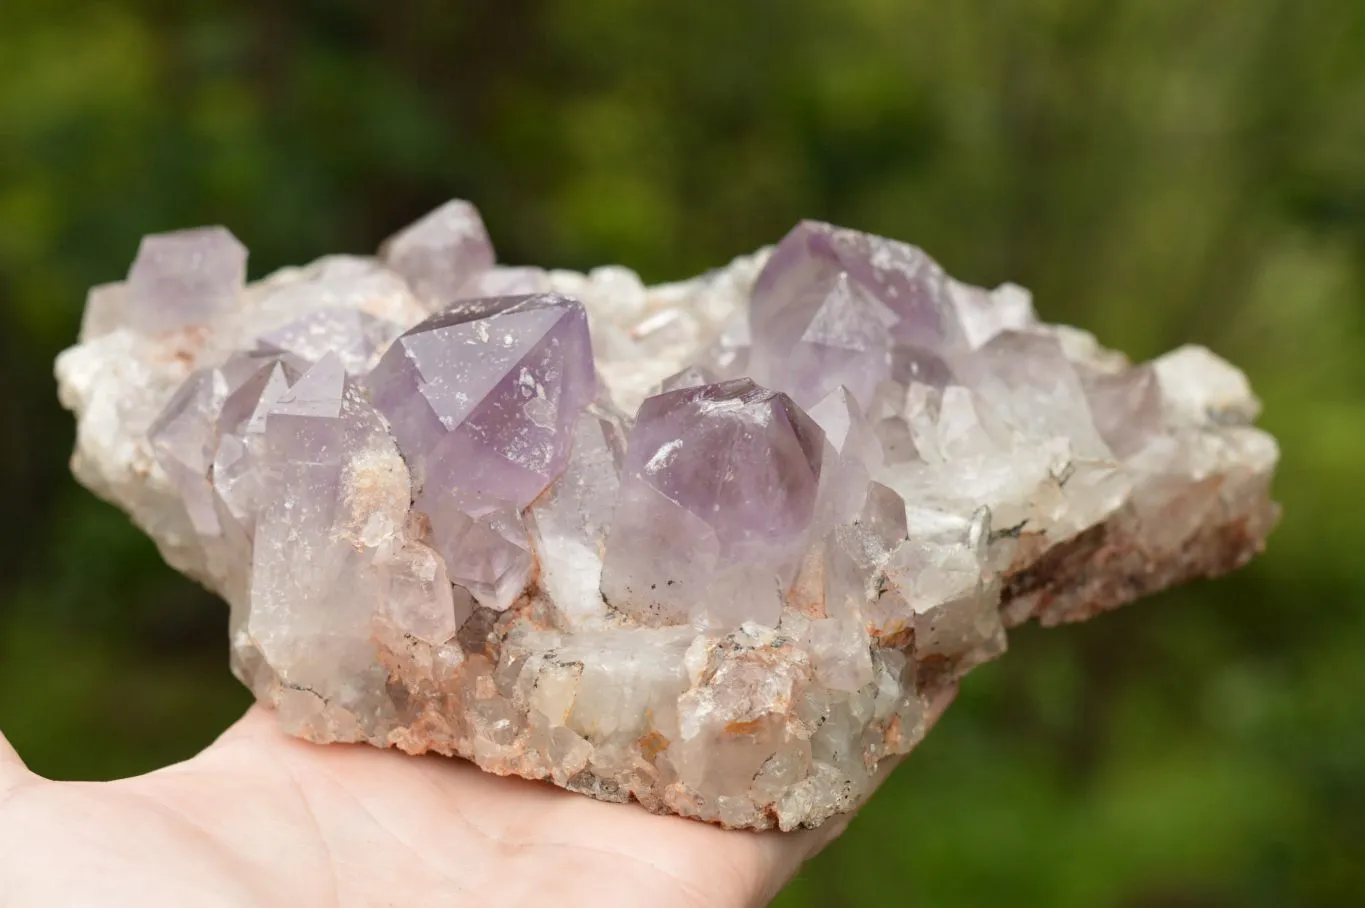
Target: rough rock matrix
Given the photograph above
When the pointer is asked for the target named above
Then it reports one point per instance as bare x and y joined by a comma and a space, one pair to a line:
713, 546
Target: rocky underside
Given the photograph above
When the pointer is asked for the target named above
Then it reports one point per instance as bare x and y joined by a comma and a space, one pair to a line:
712, 546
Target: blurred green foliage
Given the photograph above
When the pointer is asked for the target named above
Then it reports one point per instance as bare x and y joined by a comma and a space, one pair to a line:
1157, 171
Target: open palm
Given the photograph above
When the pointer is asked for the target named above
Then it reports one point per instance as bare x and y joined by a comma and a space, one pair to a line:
261, 819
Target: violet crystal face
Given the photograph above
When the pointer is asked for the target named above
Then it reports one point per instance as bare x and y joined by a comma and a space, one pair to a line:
184, 278
482, 399
441, 253
356, 337
716, 547
717, 496
831, 303
482, 396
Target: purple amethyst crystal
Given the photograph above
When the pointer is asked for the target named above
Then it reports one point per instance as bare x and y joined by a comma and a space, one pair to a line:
201, 437
483, 396
184, 278
241, 428
482, 399
182, 440
833, 332
805, 269
355, 336
1126, 407
439, 253
516, 280
717, 494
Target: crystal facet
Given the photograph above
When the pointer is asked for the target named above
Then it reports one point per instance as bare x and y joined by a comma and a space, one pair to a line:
569, 522
718, 490
499, 281
355, 337
482, 399
441, 252
808, 262
837, 333
184, 278
182, 438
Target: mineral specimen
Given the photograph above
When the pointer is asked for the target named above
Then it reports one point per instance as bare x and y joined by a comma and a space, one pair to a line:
713, 546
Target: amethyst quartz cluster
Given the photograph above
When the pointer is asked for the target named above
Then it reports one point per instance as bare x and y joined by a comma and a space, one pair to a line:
713, 546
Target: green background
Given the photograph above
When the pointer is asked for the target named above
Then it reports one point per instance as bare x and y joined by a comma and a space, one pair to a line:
1156, 171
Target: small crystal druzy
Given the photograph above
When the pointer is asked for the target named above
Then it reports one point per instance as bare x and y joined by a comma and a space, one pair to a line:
712, 546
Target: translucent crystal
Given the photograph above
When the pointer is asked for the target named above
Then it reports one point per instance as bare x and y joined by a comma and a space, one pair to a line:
105, 310
806, 265
569, 522
483, 541
418, 599
834, 333
184, 278
505, 281
692, 377
915, 365
183, 439
854, 553
324, 565
438, 254
857, 451
334, 282
717, 494
736, 719
1126, 407
310, 588
729, 355
933, 585
237, 479
986, 313
356, 337
483, 396
841, 655
482, 399
1027, 378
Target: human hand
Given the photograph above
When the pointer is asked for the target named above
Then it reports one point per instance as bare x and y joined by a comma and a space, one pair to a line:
262, 819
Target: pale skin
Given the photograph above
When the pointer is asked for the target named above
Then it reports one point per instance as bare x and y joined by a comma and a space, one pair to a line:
261, 819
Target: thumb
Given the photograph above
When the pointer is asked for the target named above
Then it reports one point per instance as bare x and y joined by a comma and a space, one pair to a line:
12, 769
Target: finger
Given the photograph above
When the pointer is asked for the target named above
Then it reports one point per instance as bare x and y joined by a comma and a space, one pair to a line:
256, 722
12, 768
